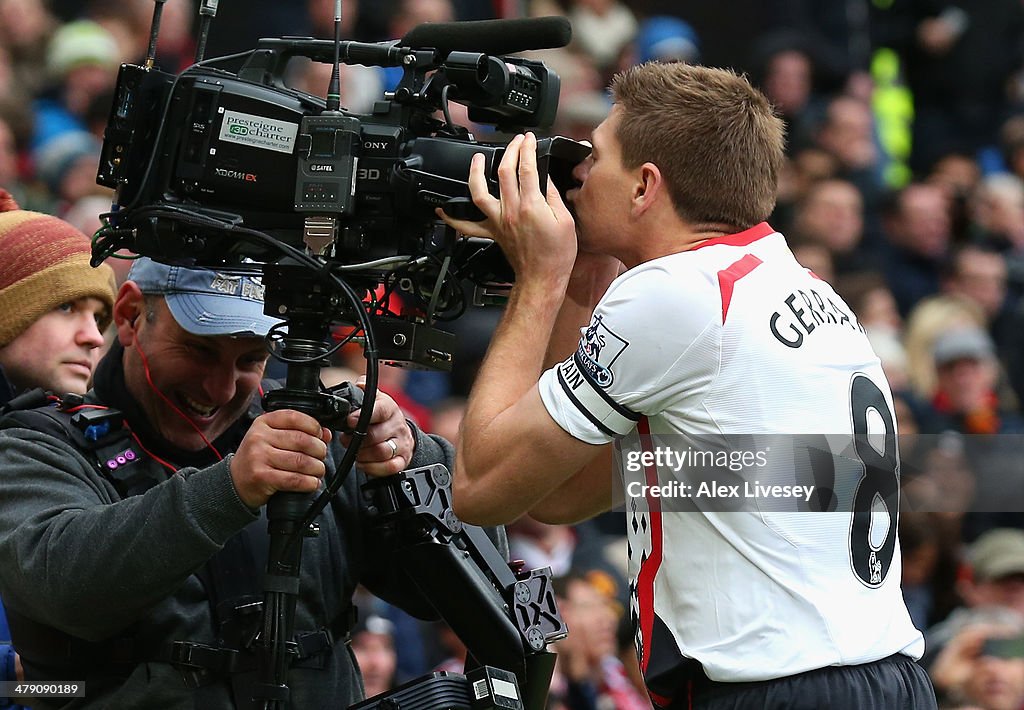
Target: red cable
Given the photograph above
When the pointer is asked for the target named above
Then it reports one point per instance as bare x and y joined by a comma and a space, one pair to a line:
152, 386
165, 464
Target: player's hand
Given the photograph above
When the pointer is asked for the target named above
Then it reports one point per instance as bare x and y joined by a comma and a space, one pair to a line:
535, 231
283, 450
389, 443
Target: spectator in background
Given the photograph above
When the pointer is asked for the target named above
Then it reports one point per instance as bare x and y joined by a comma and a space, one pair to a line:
53, 306
969, 400
831, 213
1011, 140
995, 571
924, 324
873, 304
967, 375
587, 657
992, 588
81, 61
601, 30
373, 643
959, 175
25, 26
918, 228
129, 22
663, 38
66, 165
978, 274
542, 545
53, 310
786, 75
801, 170
452, 648
847, 131
815, 258
982, 667
996, 211
872, 301
919, 544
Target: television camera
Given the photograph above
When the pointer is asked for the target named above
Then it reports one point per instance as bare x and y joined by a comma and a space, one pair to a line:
235, 170
215, 168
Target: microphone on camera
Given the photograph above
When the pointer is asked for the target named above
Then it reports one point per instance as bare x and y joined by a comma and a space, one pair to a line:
491, 36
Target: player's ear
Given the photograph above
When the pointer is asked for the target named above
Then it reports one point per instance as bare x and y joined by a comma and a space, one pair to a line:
648, 188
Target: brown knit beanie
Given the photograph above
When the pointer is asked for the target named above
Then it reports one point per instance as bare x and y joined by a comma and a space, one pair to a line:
44, 262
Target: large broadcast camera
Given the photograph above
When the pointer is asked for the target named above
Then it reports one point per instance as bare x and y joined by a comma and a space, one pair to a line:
234, 170
203, 160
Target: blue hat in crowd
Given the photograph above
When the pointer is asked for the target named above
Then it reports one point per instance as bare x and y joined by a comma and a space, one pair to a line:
206, 302
663, 38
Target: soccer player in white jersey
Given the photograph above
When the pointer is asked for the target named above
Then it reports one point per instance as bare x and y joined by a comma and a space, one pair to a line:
774, 580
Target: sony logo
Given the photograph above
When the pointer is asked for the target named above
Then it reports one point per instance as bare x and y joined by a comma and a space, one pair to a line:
375, 145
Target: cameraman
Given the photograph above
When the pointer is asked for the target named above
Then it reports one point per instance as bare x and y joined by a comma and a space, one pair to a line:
705, 335
115, 551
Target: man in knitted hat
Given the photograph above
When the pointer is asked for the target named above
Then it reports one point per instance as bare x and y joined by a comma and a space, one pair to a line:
54, 306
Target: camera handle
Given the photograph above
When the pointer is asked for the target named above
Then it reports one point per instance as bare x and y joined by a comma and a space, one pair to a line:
266, 65
308, 305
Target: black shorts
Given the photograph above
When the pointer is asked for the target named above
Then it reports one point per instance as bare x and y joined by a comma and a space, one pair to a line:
893, 683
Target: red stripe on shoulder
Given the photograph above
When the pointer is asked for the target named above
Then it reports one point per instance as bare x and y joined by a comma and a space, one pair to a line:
728, 277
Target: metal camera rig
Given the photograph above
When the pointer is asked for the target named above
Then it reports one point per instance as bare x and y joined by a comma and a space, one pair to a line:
235, 170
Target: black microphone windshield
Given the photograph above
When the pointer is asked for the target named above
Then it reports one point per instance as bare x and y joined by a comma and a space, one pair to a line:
491, 36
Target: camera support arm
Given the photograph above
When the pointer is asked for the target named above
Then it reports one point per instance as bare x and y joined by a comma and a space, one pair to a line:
457, 567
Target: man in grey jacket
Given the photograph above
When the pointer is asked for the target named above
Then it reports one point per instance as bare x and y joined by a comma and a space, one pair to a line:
114, 547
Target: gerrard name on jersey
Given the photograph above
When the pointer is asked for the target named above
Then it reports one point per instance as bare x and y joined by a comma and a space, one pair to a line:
803, 313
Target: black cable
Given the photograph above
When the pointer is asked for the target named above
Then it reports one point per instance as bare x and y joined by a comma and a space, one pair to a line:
369, 389
444, 105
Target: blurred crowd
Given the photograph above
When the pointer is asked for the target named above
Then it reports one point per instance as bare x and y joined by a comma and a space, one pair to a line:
904, 188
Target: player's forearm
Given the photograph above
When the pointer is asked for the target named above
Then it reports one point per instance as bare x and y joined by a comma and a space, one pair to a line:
588, 493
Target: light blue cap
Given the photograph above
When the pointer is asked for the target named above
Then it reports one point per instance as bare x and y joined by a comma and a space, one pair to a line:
204, 301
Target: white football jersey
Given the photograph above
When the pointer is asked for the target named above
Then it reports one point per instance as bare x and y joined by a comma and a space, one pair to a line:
751, 418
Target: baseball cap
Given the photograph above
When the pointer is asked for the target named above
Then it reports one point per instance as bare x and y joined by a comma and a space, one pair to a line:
204, 301
960, 344
998, 553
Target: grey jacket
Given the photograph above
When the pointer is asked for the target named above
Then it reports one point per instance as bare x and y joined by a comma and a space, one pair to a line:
78, 557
